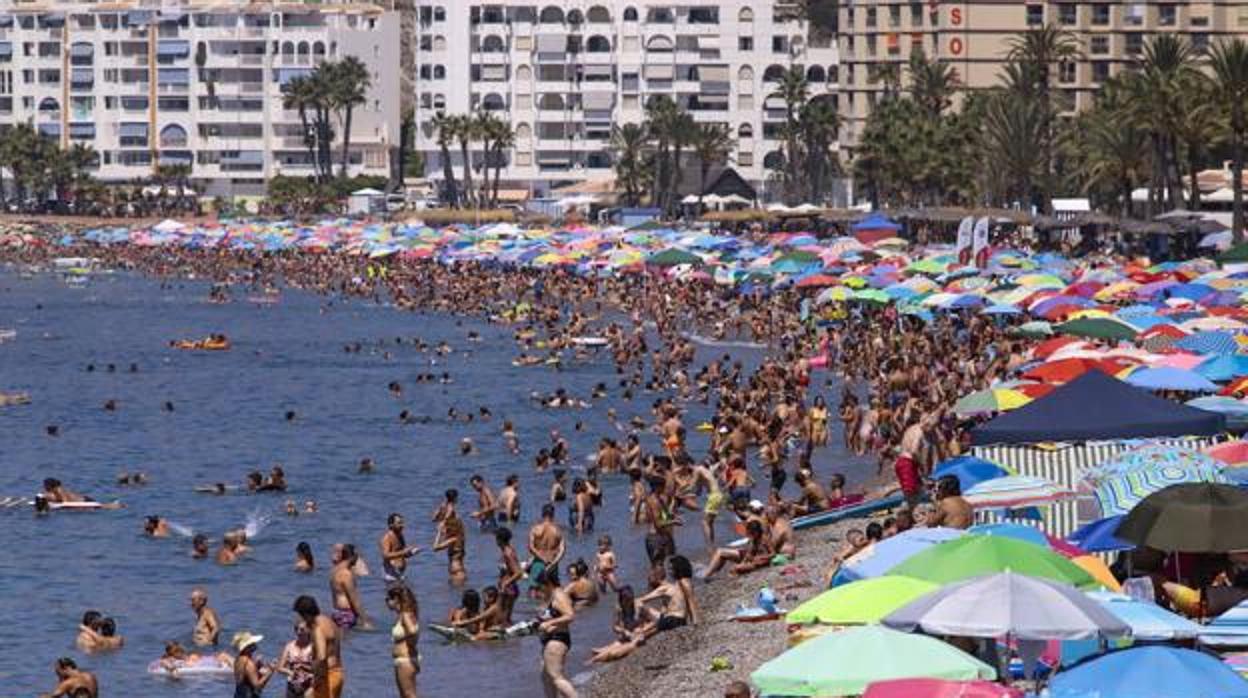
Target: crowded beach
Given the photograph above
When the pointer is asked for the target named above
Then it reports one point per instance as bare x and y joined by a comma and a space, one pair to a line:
1054, 505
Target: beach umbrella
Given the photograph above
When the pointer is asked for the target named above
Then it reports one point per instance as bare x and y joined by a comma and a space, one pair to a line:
1015, 491
1030, 534
1150, 671
1147, 621
1239, 386
972, 556
1098, 328
672, 257
1008, 603
1117, 493
845, 663
861, 602
990, 400
1096, 567
1235, 411
1209, 342
816, 281
939, 688
1201, 517
1169, 378
1099, 536
1228, 629
1066, 370
877, 558
969, 470
1035, 329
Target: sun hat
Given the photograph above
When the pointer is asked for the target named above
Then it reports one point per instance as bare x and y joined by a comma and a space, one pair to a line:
244, 639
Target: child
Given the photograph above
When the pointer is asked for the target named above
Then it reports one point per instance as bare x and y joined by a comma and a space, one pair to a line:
605, 564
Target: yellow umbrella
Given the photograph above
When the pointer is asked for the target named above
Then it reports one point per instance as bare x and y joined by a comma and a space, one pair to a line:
1094, 566
1088, 312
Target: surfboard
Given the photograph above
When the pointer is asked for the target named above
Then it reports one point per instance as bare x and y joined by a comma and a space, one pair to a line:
832, 516
590, 341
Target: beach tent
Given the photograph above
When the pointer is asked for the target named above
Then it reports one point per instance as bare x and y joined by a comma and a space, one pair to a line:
1095, 406
874, 228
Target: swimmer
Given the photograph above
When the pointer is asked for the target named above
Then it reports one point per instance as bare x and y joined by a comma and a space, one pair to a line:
466, 447
303, 558
292, 509
348, 609
207, 624
487, 505
309, 507
509, 500
156, 527
394, 550
168, 406
199, 547
72, 681
230, 549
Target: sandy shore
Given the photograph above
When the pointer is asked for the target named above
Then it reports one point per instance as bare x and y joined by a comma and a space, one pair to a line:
677, 664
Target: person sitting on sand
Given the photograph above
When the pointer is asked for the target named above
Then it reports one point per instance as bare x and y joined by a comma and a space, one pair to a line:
680, 607
756, 554
855, 541
626, 626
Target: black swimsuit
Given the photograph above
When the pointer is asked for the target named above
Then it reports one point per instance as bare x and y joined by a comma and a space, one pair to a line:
563, 635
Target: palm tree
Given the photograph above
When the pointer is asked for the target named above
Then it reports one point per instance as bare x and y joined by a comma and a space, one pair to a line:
682, 131
661, 116
299, 94
1167, 66
1200, 124
445, 126
1014, 140
629, 143
820, 127
465, 128
497, 137
1037, 52
713, 144
1228, 61
794, 91
932, 82
348, 90
1116, 150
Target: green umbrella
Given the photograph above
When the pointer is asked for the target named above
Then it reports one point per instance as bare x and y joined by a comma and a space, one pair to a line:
672, 257
1238, 253
872, 295
799, 256
844, 663
973, 555
1036, 329
865, 601
928, 266
1098, 328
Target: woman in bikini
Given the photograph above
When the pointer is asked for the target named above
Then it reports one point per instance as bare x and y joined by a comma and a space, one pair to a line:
554, 633
404, 635
296, 662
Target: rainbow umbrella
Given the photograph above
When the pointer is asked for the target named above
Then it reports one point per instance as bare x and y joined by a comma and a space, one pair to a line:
1015, 491
990, 400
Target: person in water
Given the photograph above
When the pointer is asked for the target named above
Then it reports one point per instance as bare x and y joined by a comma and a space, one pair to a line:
546, 543
303, 558
250, 677
156, 527
510, 572
404, 637
207, 625
348, 609
328, 673
451, 538
72, 682
554, 631
296, 662
394, 550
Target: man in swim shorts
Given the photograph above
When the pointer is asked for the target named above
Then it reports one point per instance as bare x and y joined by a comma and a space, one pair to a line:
328, 678
348, 610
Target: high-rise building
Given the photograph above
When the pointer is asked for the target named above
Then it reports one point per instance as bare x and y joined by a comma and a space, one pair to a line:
199, 84
974, 37
562, 72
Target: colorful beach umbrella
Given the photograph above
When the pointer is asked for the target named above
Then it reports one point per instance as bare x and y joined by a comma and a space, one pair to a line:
990, 400
878, 558
972, 556
1008, 604
969, 470
861, 602
1015, 491
1099, 536
1148, 621
1169, 378
1098, 328
939, 688
845, 663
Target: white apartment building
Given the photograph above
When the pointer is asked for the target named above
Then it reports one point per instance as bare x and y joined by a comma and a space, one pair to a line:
198, 83
563, 71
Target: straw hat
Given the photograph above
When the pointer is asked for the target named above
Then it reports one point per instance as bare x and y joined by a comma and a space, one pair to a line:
244, 639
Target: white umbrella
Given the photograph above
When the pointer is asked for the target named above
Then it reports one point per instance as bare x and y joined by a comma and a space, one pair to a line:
168, 226
1027, 608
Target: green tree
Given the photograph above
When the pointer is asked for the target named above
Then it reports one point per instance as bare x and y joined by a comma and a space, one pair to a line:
300, 95
1228, 63
794, 91
445, 126
1035, 54
465, 129
348, 89
1014, 141
932, 82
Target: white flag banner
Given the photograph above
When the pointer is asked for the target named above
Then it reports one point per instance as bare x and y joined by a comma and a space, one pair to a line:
963, 251
980, 245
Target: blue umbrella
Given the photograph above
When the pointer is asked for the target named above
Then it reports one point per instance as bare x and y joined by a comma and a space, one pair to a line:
1223, 367
890, 552
1147, 620
1228, 629
1028, 534
969, 470
1152, 671
1098, 536
1170, 378
1001, 309
1211, 342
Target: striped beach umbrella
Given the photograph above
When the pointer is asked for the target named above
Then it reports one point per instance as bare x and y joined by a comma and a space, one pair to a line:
1209, 342
990, 400
1119, 493
1015, 491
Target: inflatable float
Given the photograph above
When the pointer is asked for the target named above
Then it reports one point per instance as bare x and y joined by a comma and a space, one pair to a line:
207, 667
590, 341
201, 344
453, 634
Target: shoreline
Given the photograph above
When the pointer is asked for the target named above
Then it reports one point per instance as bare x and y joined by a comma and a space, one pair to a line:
677, 663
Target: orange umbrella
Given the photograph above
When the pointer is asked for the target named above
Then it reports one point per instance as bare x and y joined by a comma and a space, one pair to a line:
1094, 566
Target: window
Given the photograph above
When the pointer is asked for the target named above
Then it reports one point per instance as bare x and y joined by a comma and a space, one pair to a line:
1135, 14
1067, 14
870, 16
745, 158
871, 44
1035, 15
1167, 15
1135, 44
1098, 45
779, 44
1200, 42
1241, 16
1200, 21
1066, 72
745, 43
894, 15
916, 15
630, 14
1100, 71
1100, 15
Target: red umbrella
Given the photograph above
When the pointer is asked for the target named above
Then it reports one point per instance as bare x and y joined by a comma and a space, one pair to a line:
1066, 370
1086, 289
817, 280
939, 688
1049, 347
1034, 390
